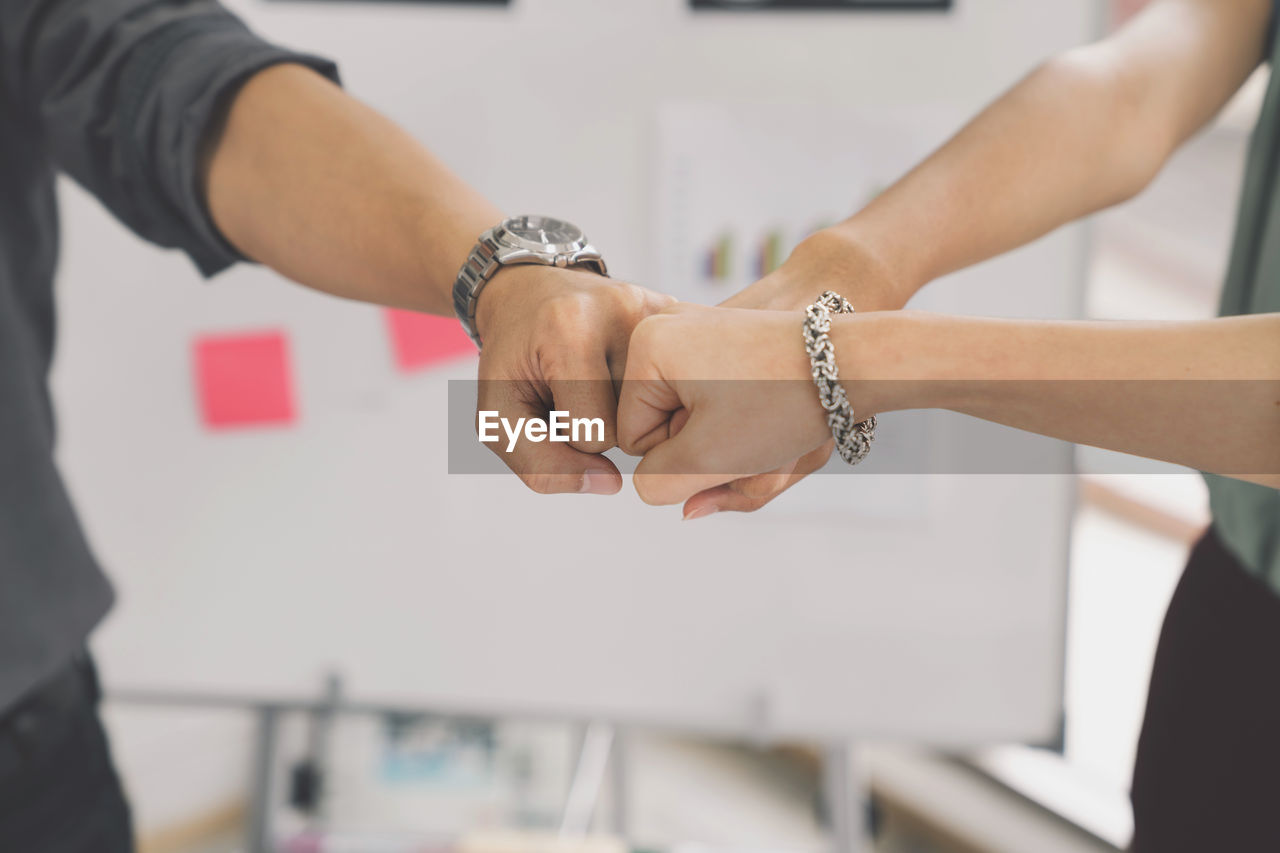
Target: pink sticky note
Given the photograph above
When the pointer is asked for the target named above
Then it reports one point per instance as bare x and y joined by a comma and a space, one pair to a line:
244, 380
421, 340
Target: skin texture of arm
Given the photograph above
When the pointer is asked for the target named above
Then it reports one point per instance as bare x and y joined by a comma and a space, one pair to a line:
1086, 130
328, 192
697, 434
323, 189
1204, 394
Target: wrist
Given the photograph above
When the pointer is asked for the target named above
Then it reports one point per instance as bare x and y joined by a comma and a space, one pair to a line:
831, 259
853, 261
894, 360
507, 286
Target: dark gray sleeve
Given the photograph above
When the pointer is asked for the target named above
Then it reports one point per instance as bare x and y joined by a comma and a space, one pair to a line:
124, 91
1273, 31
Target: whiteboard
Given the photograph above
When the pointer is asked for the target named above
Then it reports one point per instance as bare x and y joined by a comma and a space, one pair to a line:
925, 607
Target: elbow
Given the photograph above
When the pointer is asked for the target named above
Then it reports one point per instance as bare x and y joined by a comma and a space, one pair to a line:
1116, 109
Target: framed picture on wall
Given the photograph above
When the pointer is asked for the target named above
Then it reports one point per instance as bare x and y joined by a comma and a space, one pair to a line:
848, 5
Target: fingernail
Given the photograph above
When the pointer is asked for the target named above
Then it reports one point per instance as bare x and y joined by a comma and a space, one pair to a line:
598, 481
702, 512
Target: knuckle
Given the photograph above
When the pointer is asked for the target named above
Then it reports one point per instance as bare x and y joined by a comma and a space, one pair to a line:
663, 301
645, 335
640, 301
628, 443
594, 447
599, 445
631, 434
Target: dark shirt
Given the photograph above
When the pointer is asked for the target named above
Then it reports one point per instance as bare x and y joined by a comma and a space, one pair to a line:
1247, 515
117, 94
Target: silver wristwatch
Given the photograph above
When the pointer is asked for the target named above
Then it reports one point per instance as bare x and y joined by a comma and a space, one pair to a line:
519, 240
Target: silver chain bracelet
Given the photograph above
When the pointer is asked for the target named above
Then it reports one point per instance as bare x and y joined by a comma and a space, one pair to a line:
853, 438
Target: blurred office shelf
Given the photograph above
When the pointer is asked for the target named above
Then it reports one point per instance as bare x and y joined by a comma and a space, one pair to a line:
726, 798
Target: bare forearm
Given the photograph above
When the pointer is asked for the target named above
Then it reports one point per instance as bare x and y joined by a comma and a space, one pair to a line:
323, 189
1045, 153
328, 192
1204, 394
1039, 157
1084, 131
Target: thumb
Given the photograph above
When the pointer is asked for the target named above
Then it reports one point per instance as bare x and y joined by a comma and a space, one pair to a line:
647, 400
680, 466
649, 413
545, 467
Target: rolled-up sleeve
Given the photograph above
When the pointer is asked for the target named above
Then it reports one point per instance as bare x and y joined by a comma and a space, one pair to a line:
124, 92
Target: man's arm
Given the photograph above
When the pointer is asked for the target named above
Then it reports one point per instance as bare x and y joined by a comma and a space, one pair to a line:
1086, 130
201, 136
318, 186
315, 184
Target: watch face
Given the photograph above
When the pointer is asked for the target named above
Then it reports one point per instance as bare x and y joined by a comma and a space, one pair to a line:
543, 230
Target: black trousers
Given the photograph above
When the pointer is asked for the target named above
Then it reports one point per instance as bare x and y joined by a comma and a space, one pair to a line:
59, 792
1207, 776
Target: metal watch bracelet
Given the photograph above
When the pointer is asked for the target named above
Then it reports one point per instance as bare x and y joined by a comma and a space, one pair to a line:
480, 265
853, 438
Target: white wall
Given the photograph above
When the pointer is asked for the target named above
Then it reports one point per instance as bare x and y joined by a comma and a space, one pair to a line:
251, 561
